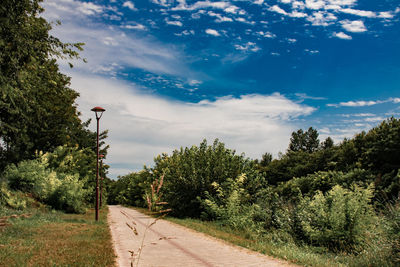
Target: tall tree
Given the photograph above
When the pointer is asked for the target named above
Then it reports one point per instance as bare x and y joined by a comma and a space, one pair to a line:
37, 106
304, 141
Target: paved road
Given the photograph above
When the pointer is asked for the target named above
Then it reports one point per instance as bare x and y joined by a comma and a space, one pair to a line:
168, 244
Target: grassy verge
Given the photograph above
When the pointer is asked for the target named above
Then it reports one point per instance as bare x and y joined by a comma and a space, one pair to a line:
280, 245
38, 237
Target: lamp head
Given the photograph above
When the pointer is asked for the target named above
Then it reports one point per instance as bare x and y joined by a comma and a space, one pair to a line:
99, 111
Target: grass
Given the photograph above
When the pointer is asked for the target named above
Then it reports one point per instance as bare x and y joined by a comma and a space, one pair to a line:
52, 238
281, 245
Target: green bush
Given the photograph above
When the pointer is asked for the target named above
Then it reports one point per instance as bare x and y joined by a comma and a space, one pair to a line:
11, 199
24, 176
59, 190
338, 219
69, 195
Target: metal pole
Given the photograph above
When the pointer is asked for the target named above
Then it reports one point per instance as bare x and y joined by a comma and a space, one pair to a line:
101, 181
97, 171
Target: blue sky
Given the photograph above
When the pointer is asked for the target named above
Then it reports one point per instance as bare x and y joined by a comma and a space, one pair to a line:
248, 72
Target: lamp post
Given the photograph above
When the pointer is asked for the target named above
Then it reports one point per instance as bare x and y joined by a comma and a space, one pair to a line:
99, 112
101, 178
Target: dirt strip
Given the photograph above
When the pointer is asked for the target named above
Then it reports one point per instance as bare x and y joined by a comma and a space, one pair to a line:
168, 244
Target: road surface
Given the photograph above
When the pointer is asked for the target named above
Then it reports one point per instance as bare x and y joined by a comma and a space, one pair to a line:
168, 244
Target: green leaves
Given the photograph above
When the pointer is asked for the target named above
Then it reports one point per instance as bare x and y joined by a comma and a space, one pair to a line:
37, 107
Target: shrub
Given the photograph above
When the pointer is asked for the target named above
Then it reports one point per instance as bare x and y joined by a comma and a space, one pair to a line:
24, 176
59, 190
338, 219
69, 195
11, 199
228, 206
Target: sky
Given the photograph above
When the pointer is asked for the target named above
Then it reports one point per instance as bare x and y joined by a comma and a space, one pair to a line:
249, 72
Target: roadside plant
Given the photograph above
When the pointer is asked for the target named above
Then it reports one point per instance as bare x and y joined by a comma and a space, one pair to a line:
339, 219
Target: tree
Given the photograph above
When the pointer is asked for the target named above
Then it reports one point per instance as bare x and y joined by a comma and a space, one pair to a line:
328, 143
266, 159
304, 141
37, 107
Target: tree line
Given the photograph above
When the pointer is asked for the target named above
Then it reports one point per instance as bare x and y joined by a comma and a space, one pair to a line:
318, 193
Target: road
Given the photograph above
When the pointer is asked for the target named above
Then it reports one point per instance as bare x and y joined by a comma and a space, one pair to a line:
168, 244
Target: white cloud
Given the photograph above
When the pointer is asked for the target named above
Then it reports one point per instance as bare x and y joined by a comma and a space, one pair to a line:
110, 41
212, 32
174, 22
361, 13
266, 34
72, 7
321, 18
364, 103
134, 27
129, 5
353, 26
355, 104
386, 15
297, 14
226, 6
315, 4
219, 17
249, 46
142, 126
277, 9
90, 8
342, 35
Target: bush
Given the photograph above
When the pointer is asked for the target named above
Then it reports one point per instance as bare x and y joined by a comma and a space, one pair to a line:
59, 190
11, 199
339, 219
69, 195
24, 176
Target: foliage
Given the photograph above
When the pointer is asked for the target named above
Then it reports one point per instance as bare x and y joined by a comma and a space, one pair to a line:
61, 191
304, 141
323, 181
191, 172
37, 106
338, 219
11, 199
130, 189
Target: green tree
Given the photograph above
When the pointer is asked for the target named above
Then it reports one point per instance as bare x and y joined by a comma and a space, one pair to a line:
37, 107
304, 141
191, 173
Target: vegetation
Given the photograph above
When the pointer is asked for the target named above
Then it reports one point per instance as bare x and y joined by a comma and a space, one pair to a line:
323, 200
36, 236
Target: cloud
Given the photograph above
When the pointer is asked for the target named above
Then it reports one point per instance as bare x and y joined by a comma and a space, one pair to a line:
303, 96
249, 46
353, 26
277, 9
315, 4
361, 13
129, 5
134, 27
212, 32
342, 35
142, 126
174, 22
226, 6
354, 104
266, 34
73, 7
321, 18
219, 17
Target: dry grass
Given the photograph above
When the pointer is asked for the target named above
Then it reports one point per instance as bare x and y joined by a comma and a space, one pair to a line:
56, 239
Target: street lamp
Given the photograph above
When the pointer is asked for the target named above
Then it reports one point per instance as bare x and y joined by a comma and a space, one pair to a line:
101, 177
99, 112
